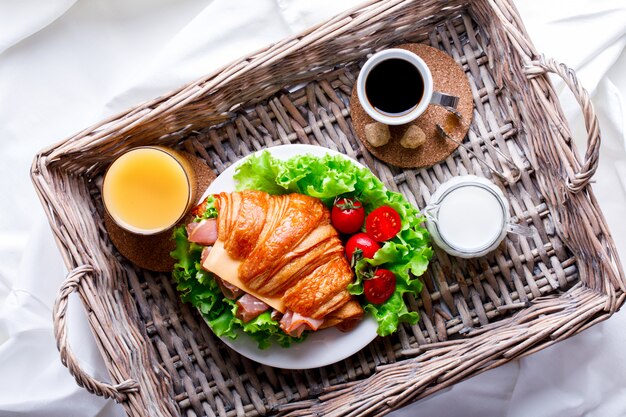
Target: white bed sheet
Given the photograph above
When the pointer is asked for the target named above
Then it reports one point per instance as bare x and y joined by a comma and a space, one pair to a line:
65, 64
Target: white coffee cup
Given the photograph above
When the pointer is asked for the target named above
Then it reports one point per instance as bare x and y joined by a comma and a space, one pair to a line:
429, 96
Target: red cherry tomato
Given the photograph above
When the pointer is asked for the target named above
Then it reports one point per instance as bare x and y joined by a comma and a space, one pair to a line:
383, 223
377, 290
347, 215
364, 243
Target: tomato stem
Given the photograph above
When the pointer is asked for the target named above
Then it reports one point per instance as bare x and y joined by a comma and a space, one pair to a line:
349, 203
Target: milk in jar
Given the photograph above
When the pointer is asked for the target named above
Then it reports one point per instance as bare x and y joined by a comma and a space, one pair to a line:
467, 216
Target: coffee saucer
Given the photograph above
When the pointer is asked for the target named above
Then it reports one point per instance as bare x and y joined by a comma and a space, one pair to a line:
449, 78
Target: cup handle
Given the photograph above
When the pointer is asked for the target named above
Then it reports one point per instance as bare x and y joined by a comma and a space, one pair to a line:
518, 229
444, 100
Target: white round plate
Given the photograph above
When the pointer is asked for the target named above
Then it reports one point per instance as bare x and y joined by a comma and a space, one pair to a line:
320, 348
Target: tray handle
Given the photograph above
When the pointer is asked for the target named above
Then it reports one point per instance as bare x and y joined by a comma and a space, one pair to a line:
103, 389
590, 164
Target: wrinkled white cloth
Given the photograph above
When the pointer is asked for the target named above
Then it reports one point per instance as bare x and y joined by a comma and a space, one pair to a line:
65, 64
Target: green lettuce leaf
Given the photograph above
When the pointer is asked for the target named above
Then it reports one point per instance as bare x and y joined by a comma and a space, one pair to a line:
259, 176
210, 212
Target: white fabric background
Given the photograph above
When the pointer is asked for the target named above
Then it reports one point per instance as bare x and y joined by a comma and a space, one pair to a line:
65, 64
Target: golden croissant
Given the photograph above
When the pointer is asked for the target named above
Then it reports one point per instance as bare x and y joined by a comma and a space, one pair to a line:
282, 252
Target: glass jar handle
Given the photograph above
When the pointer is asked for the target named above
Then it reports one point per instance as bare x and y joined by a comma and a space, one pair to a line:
520, 230
431, 213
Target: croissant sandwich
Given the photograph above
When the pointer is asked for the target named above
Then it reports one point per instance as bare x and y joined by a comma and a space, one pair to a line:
281, 253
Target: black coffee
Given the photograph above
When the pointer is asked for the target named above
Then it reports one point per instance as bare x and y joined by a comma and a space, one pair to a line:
394, 86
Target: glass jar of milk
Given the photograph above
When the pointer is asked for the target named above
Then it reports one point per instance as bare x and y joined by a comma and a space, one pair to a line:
468, 216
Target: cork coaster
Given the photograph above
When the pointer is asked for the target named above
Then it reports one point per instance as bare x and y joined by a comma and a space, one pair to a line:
449, 78
152, 252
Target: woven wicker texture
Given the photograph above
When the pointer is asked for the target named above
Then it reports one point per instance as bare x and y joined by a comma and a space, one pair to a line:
476, 315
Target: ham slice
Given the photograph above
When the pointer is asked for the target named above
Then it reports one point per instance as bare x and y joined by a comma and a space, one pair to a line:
297, 332
204, 254
230, 291
294, 323
276, 315
203, 232
250, 307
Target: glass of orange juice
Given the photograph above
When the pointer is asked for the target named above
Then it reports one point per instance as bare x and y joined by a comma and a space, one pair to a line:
148, 189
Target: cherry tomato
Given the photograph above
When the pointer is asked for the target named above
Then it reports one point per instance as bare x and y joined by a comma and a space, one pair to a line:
362, 242
377, 290
383, 223
347, 215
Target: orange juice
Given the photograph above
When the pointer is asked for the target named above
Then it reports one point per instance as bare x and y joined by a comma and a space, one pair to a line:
147, 190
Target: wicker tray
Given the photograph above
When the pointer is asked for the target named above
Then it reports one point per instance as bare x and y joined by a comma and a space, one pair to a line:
532, 292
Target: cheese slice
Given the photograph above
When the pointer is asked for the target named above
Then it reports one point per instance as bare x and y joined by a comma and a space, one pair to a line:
221, 264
